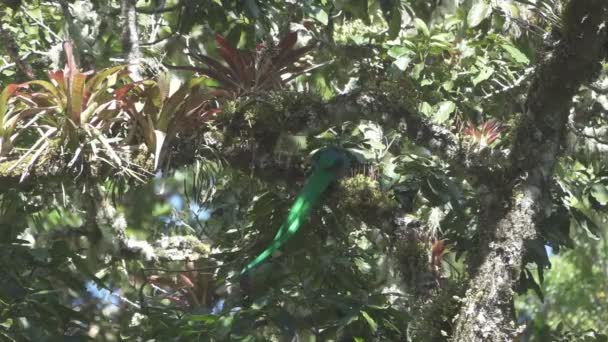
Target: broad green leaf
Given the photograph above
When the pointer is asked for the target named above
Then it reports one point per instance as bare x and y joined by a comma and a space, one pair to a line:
514, 52
483, 75
448, 85
444, 109
417, 70
422, 27
587, 223
208, 319
319, 15
398, 51
600, 193
425, 108
441, 41
402, 62
478, 13
425, 82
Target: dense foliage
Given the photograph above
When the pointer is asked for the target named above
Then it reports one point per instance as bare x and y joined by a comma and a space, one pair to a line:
151, 149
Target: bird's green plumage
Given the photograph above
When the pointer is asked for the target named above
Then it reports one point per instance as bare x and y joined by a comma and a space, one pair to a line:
329, 164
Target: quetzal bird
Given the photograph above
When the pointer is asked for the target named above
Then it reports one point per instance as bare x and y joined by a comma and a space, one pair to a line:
329, 164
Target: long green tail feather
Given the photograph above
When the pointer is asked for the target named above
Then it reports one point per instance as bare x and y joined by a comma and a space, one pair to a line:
315, 186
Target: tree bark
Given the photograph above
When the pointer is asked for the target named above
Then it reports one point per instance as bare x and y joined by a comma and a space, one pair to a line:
130, 38
487, 311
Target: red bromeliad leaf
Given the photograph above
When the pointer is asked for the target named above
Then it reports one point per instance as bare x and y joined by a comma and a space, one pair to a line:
185, 280
484, 134
217, 71
121, 93
269, 66
230, 54
58, 79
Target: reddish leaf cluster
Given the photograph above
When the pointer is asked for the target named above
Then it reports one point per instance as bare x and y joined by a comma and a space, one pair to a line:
160, 115
485, 134
89, 111
243, 72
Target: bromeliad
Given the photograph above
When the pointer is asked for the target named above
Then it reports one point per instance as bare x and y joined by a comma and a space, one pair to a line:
329, 165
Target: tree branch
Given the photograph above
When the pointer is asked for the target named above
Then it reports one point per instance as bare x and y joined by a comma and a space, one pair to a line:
130, 38
157, 10
487, 310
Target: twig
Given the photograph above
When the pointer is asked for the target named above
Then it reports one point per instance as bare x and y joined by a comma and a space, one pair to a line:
13, 51
43, 25
7, 66
158, 40
146, 10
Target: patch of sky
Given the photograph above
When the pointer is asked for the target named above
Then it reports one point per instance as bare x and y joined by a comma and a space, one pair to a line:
104, 295
201, 213
176, 201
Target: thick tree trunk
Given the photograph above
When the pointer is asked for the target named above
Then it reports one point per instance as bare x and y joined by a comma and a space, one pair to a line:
487, 310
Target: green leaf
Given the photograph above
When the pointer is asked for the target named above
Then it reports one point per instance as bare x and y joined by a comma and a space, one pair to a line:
483, 75
319, 15
417, 70
585, 222
478, 13
444, 109
514, 52
425, 108
4, 97
600, 193
398, 51
77, 96
422, 27
370, 321
402, 62
49, 87
102, 76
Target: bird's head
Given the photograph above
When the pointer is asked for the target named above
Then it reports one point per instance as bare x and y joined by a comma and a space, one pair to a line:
333, 159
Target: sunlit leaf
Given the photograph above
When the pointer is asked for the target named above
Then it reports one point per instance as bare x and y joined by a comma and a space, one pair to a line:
478, 13
444, 109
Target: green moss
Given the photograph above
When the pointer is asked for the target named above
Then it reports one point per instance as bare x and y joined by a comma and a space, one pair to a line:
361, 194
435, 315
142, 158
